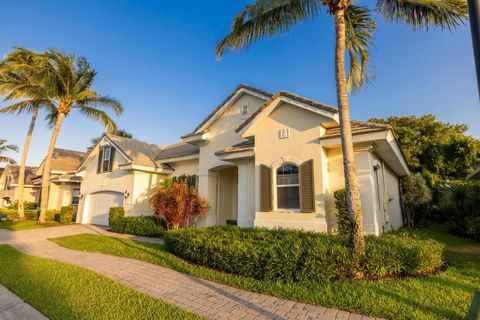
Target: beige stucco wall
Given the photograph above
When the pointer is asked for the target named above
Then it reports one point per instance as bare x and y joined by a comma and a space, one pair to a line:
187, 167
221, 135
144, 184
371, 192
302, 145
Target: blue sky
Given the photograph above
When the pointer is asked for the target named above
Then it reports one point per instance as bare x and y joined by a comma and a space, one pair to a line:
157, 57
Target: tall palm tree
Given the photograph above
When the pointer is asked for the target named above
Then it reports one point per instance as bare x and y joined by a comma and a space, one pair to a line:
18, 80
354, 27
66, 83
5, 148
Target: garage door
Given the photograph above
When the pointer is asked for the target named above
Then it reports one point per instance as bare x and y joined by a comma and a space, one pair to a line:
99, 205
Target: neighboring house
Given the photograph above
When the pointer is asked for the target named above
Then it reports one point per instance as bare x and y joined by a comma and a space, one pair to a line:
260, 160
9, 184
64, 187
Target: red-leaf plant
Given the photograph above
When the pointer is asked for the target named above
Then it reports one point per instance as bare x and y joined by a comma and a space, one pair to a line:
178, 205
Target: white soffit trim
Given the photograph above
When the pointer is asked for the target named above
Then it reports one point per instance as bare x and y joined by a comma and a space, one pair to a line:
227, 104
136, 167
179, 159
229, 156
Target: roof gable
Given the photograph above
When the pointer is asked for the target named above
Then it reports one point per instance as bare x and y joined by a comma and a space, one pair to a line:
63, 160
227, 102
292, 99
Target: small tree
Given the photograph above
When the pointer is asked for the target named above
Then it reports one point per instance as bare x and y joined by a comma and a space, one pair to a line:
177, 204
415, 193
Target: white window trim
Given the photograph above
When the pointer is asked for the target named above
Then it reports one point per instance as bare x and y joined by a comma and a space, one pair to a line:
105, 159
276, 186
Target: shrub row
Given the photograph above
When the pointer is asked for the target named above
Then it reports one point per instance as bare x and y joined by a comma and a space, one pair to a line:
64, 215
297, 256
12, 215
141, 226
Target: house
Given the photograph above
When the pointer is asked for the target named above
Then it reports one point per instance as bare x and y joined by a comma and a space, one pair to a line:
260, 159
9, 183
64, 187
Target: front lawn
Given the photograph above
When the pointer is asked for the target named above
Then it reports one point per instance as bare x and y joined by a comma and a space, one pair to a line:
446, 295
25, 225
62, 291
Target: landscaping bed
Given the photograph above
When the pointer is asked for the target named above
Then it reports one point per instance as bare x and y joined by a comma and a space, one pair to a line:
445, 295
62, 291
296, 256
146, 226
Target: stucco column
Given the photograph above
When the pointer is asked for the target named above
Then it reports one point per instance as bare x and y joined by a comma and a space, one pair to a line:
207, 189
246, 194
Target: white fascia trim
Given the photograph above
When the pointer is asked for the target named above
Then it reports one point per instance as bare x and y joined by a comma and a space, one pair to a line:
197, 138
25, 185
179, 159
398, 152
236, 155
58, 172
136, 167
227, 104
357, 138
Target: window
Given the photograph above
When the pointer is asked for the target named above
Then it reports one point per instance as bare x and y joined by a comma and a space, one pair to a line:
288, 189
104, 161
8, 181
244, 111
190, 181
75, 197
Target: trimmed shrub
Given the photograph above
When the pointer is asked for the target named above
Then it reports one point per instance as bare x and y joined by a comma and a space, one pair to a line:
66, 214
298, 256
344, 224
27, 205
52, 215
141, 226
11, 214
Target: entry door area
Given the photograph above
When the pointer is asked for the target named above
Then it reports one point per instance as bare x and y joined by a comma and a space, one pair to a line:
227, 195
100, 204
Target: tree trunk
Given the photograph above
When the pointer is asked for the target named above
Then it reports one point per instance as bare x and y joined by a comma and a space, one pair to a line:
351, 185
46, 169
21, 174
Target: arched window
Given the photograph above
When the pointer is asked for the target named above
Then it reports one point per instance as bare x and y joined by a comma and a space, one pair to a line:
288, 189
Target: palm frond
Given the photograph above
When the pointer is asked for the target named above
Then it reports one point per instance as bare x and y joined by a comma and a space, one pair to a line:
100, 116
359, 28
7, 159
446, 14
101, 102
266, 18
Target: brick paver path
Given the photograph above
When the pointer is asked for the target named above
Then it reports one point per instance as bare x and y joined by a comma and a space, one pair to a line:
206, 298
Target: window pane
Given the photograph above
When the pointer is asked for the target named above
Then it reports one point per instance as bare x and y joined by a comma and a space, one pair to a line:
106, 166
288, 197
106, 153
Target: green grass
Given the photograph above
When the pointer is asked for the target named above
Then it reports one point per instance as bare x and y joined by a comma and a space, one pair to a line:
25, 225
62, 291
446, 295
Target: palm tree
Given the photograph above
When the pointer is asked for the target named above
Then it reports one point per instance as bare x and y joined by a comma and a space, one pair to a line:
66, 83
17, 81
5, 148
354, 27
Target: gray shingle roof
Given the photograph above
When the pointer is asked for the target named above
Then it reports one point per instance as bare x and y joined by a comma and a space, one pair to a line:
357, 127
139, 152
14, 171
176, 150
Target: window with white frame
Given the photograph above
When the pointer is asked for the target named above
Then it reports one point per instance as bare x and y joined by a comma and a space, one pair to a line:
106, 154
288, 188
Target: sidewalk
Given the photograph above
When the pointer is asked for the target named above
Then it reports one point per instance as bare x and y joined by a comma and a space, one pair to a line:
14, 308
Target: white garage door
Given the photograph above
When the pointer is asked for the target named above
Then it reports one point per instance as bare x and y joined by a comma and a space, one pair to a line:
99, 205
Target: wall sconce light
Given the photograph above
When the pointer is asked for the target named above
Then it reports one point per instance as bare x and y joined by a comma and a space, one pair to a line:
80, 195
127, 194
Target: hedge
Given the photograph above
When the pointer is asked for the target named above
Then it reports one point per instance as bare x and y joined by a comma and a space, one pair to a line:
141, 225
297, 256
12, 214
344, 224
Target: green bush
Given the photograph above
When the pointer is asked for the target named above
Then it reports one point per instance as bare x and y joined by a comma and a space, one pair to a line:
66, 215
344, 225
52, 215
141, 226
298, 256
27, 205
13, 216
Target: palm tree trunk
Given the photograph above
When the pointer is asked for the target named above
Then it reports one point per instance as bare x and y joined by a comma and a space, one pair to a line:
46, 169
21, 174
351, 184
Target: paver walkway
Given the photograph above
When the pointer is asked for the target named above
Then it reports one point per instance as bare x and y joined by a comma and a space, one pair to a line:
206, 298
14, 308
